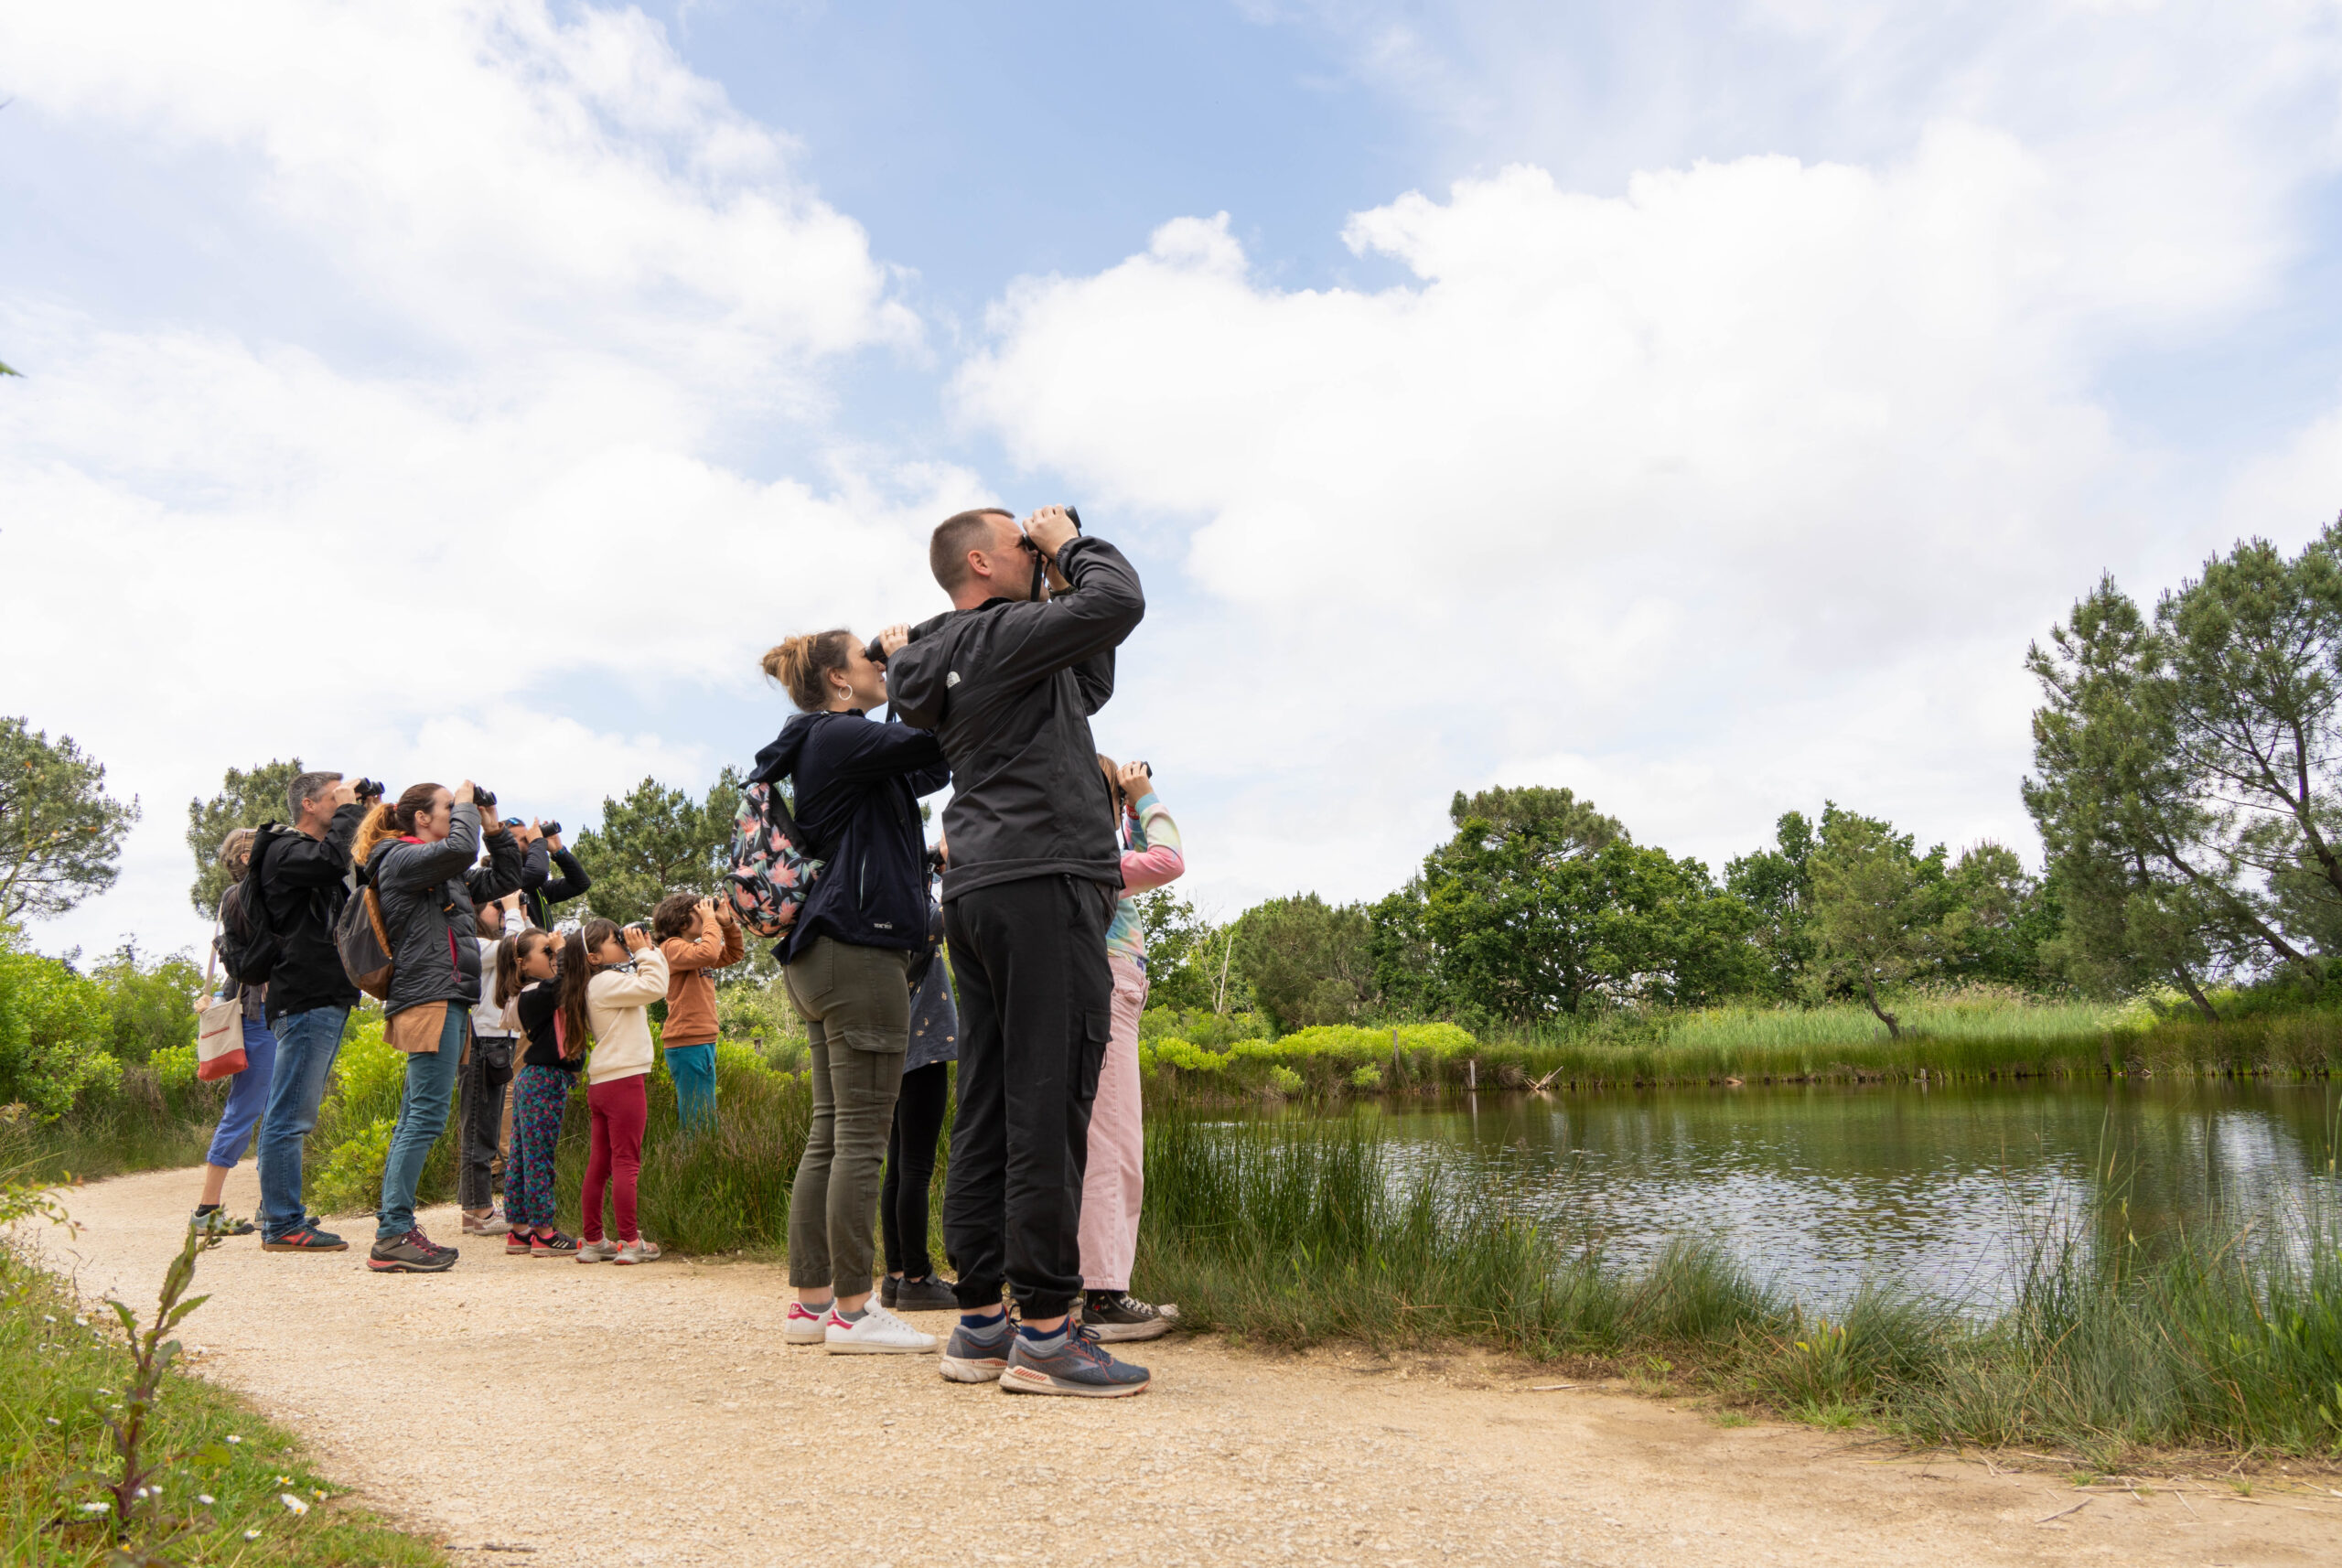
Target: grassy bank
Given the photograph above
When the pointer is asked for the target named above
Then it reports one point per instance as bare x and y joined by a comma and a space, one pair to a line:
1977, 1034
225, 1471
1296, 1232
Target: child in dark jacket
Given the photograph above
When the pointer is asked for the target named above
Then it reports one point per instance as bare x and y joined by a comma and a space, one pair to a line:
547, 1071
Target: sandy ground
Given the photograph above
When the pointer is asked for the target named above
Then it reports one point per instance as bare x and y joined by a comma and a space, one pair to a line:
597, 1415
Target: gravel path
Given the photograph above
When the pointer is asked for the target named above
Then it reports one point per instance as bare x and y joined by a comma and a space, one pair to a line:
604, 1416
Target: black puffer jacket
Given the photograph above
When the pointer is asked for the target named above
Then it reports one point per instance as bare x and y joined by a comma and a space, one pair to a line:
429, 894
858, 787
1008, 688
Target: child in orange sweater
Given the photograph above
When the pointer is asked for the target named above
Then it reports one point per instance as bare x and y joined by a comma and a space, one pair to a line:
695, 935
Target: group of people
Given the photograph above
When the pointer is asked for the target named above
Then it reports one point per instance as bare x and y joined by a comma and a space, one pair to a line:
1030, 891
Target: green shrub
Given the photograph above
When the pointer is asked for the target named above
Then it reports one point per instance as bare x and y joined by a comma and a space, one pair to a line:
1368, 1079
1182, 1055
153, 1005
55, 1031
1285, 1080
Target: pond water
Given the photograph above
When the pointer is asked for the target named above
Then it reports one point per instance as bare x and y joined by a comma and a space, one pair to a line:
1819, 1188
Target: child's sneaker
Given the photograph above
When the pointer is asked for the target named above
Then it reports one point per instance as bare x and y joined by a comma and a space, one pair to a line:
973, 1358
518, 1243
597, 1252
877, 1332
1077, 1366
553, 1244
641, 1250
803, 1326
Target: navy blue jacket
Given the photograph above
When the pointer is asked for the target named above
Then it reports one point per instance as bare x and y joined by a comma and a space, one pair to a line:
858, 786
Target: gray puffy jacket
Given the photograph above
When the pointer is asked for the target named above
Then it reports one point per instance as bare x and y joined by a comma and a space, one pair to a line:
429, 892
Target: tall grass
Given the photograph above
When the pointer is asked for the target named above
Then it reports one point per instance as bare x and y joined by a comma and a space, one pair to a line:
1297, 1231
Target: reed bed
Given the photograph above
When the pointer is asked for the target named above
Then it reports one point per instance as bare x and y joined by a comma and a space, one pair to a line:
1296, 1232
1973, 1034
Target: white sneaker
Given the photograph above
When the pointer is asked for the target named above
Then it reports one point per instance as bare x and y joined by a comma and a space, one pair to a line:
597, 1252
803, 1326
877, 1333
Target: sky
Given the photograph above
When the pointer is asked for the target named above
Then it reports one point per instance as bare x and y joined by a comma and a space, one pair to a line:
1700, 406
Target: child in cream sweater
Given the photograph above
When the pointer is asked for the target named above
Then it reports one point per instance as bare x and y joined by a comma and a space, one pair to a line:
597, 994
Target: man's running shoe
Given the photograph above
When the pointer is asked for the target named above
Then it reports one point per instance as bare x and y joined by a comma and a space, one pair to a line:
803, 1326
305, 1238
877, 1332
1078, 1368
1121, 1317
972, 1357
412, 1253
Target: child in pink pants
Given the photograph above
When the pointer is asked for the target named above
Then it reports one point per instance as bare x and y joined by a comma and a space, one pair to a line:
1116, 1179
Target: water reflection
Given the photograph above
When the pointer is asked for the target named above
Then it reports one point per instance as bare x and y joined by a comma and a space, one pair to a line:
1817, 1188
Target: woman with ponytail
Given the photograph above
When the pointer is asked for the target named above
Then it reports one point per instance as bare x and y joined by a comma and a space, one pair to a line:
417, 854
849, 955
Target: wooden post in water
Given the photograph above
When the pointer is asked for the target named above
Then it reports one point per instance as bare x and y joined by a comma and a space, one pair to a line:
1472, 1074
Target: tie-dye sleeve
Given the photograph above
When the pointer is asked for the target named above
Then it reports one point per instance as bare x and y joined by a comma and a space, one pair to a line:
1156, 860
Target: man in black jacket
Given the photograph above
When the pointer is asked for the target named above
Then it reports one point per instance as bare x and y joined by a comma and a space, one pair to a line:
1008, 681
302, 874
539, 889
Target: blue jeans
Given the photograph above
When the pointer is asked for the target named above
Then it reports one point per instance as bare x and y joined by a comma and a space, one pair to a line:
423, 1116
307, 1044
694, 1070
247, 1097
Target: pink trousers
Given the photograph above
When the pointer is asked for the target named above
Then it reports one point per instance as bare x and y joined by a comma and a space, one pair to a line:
1116, 1177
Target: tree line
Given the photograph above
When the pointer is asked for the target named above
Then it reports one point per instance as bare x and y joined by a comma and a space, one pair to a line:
2185, 784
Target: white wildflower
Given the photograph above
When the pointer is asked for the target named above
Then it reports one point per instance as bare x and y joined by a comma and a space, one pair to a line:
93, 1508
292, 1503
206, 1498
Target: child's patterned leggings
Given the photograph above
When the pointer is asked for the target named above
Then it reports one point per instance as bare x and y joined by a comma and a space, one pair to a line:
540, 1095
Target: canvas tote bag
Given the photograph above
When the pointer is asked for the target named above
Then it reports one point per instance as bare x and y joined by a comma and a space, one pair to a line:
220, 1033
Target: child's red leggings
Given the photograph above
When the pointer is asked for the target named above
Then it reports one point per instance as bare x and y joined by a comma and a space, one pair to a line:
618, 1108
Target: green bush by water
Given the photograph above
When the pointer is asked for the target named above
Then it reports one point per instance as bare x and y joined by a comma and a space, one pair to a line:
1975, 1032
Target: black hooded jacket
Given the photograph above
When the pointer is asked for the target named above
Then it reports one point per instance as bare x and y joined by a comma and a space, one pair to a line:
1008, 687
857, 788
304, 882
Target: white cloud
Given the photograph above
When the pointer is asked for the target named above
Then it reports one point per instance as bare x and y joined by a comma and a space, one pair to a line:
1743, 487
449, 559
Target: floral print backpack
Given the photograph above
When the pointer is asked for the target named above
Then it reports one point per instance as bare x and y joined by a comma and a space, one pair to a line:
772, 871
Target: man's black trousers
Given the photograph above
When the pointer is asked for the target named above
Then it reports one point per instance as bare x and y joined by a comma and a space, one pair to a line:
1029, 958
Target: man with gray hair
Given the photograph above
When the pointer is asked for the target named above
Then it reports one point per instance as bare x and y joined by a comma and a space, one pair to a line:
302, 874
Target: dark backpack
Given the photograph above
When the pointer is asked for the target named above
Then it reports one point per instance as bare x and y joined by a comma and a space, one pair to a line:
249, 948
773, 866
364, 945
